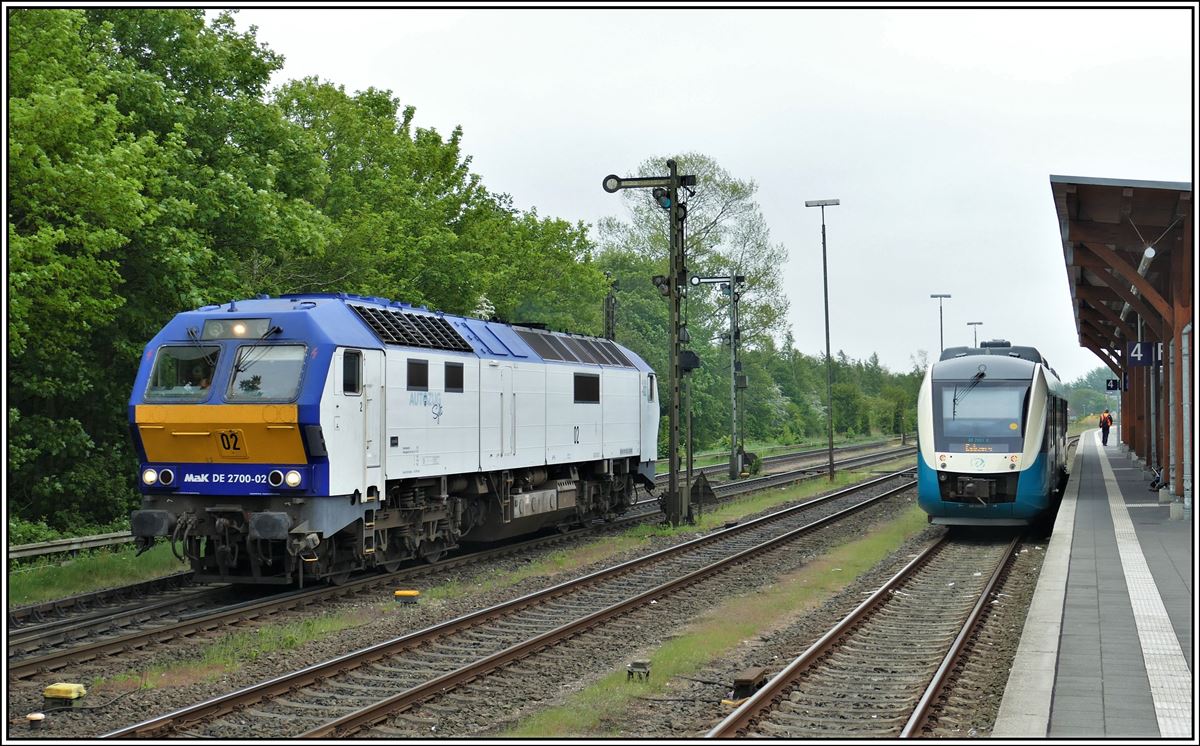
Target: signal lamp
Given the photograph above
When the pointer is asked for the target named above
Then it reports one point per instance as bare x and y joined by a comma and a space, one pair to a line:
662, 197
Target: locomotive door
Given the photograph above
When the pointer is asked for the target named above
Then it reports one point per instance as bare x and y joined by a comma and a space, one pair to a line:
372, 401
508, 413
348, 473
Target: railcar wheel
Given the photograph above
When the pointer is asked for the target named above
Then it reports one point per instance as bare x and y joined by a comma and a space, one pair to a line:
432, 551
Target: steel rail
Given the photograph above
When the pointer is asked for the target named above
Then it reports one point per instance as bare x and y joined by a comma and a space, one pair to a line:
225, 704
764, 699
291, 599
738, 722
19, 616
915, 724
373, 714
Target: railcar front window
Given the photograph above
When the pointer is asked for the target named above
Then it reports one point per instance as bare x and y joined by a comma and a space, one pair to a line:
266, 373
182, 374
985, 418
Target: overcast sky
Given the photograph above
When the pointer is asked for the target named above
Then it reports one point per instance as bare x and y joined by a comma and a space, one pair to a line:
937, 129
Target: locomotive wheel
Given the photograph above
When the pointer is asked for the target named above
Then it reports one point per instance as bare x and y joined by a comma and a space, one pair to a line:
340, 578
391, 557
432, 551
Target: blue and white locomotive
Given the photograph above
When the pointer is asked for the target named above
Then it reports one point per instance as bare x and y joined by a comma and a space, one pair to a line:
304, 437
991, 431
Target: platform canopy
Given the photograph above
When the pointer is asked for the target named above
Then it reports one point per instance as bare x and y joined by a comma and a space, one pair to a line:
1107, 227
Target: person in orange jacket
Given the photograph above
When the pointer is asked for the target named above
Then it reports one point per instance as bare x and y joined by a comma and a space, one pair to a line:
1106, 422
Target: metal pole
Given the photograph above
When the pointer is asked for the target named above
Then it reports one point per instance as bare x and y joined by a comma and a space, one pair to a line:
734, 466
689, 449
676, 503
828, 358
941, 327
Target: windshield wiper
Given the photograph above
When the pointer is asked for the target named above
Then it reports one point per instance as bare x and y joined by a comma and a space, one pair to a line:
208, 358
975, 379
245, 352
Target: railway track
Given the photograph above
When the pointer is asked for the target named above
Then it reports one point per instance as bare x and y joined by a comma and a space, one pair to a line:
57, 644
881, 671
361, 692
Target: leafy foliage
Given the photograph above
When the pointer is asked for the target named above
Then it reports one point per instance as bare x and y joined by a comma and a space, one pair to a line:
152, 171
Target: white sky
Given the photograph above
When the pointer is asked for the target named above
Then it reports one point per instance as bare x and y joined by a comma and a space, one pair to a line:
937, 129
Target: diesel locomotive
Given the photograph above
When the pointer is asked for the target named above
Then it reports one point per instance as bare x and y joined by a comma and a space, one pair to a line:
991, 433
301, 438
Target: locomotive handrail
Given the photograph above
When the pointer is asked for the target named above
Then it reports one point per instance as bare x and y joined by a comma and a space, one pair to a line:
58, 546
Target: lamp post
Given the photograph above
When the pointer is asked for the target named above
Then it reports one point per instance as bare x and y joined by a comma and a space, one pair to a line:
975, 324
941, 336
823, 203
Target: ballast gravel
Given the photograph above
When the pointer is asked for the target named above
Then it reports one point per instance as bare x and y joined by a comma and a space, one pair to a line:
493, 704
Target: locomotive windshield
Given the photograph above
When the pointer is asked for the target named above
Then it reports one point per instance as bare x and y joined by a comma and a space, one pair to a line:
979, 416
266, 373
182, 374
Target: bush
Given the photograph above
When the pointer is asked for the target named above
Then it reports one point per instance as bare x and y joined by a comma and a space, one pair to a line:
21, 531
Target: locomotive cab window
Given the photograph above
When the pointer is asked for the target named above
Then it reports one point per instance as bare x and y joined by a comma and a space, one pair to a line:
182, 374
587, 388
418, 375
352, 372
266, 373
454, 378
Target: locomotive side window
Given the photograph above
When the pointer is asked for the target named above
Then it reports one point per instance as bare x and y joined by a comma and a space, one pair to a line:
587, 388
352, 372
454, 378
651, 394
418, 375
266, 373
182, 374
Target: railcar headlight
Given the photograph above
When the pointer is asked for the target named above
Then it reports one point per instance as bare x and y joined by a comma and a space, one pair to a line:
292, 478
149, 477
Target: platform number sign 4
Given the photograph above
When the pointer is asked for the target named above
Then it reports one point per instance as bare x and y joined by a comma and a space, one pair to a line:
1141, 353
1112, 384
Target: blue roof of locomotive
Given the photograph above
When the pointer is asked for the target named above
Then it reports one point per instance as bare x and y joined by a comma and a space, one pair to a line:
326, 318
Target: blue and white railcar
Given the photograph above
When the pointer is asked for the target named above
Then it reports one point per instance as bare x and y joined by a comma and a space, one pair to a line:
307, 436
991, 429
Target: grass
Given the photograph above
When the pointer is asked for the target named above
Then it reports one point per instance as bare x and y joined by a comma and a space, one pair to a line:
45, 579
598, 709
239, 649
242, 648
712, 458
1087, 422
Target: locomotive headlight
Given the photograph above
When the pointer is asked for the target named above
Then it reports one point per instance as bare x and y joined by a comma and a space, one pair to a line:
239, 328
275, 478
166, 476
292, 478
149, 477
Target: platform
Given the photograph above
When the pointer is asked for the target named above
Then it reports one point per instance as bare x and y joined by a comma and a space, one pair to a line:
1106, 650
